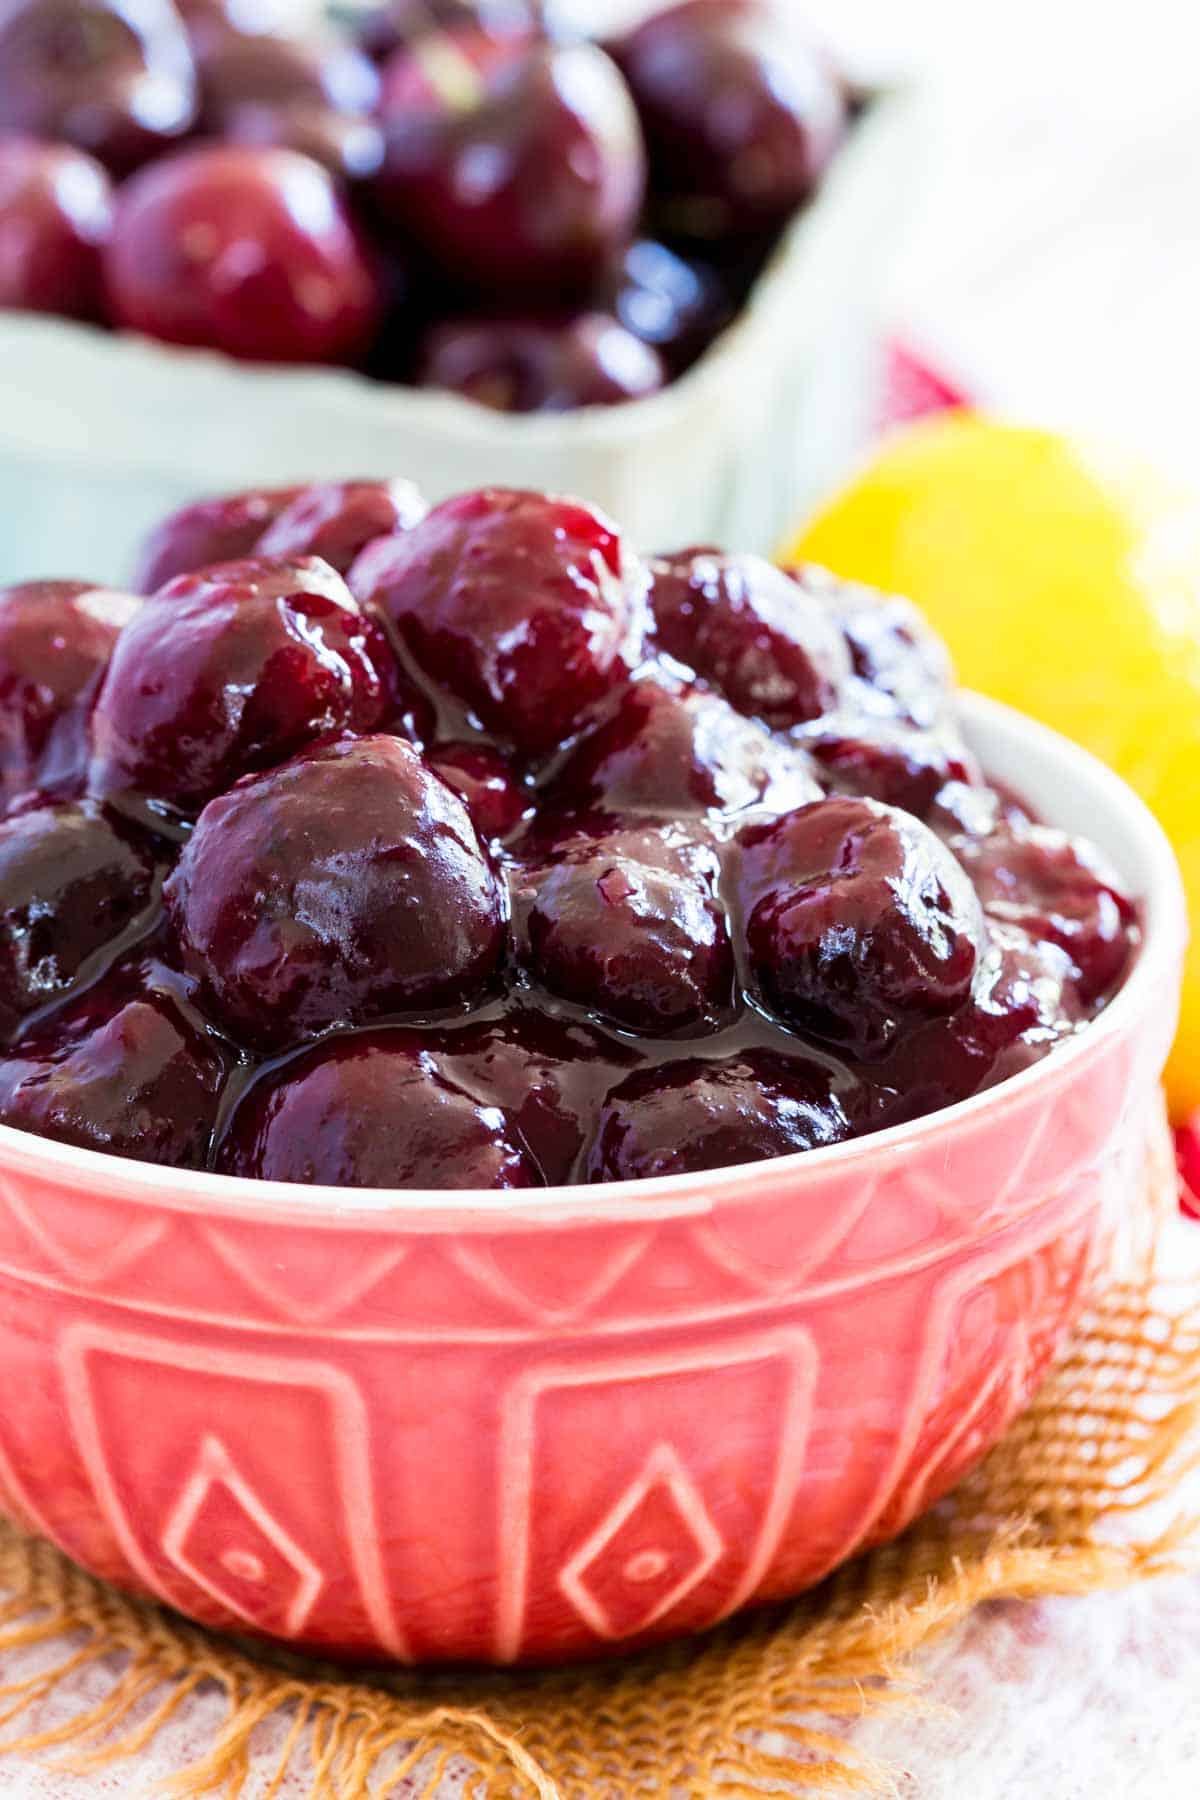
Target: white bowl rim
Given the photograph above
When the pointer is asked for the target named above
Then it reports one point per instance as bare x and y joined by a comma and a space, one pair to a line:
195, 1190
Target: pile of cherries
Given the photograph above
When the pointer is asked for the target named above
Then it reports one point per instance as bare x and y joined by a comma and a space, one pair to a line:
467, 197
464, 848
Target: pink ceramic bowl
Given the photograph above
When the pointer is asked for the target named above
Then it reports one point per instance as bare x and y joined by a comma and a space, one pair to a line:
517, 1426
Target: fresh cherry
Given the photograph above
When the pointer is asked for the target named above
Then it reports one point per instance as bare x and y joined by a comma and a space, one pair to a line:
739, 623
345, 886
486, 783
700, 1114
376, 1110
73, 882
231, 669
628, 924
112, 77
56, 638
206, 532
1053, 889
55, 217
144, 1082
666, 748
523, 606
522, 365
517, 168
858, 921
337, 519
671, 302
248, 251
741, 114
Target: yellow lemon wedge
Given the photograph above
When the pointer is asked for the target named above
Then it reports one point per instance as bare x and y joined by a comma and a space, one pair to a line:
1067, 583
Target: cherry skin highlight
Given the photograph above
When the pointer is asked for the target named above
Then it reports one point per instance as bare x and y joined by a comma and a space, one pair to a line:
55, 218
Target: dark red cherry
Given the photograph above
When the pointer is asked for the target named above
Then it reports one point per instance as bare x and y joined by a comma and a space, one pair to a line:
886, 760
377, 1111
700, 1114
112, 77
741, 113
337, 519
56, 638
548, 1074
232, 669
348, 145
208, 531
247, 68
523, 606
669, 749
858, 921
521, 365
629, 925
55, 217
486, 783
516, 168
73, 883
344, 886
900, 666
673, 303
144, 1083
738, 622
1055, 890
248, 251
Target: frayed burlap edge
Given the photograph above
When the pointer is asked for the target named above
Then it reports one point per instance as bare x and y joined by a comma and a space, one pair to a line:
1060, 1507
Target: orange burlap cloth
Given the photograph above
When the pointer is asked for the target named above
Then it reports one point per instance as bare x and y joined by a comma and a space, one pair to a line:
1080, 1495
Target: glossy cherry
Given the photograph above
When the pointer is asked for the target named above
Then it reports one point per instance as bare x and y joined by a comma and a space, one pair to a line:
73, 882
524, 365
112, 77
1052, 888
628, 925
525, 607
337, 519
886, 760
55, 217
56, 638
145, 1082
345, 886
231, 669
741, 113
206, 532
376, 1110
666, 748
858, 921
487, 784
248, 251
709, 1114
738, 622
517, 168
900, 667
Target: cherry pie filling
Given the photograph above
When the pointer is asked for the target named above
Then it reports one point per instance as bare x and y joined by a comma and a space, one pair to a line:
464, 848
